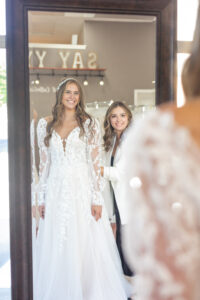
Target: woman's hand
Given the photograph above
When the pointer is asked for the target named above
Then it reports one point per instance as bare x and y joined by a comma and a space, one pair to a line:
96, 211
42, 211
102, 171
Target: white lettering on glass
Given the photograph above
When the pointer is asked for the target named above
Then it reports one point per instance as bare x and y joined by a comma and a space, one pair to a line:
78, 62
64, 57
41, 57
92, 59
29, 56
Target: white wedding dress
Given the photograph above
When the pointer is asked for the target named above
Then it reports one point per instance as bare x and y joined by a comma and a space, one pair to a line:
162, 164
76, 257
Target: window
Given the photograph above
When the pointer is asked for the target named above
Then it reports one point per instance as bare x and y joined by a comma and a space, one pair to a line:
187, 10
5, 281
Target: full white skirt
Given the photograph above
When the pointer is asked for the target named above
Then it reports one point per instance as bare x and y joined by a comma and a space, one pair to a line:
76, 258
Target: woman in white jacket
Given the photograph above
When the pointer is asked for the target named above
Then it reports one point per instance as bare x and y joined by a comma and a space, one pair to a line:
117, 119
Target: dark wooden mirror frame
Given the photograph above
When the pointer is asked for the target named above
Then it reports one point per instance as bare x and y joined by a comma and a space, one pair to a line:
18, 106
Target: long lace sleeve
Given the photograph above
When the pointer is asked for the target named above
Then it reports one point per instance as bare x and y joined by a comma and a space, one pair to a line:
44, 161
163, 236
94, 145
33, 167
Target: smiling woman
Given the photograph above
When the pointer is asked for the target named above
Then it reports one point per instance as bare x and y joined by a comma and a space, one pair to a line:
117, 119
71, 96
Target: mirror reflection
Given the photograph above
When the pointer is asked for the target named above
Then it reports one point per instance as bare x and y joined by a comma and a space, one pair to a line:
91, 75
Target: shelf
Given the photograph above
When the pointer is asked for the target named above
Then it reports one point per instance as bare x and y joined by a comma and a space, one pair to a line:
57, 46
68, 69
86, 72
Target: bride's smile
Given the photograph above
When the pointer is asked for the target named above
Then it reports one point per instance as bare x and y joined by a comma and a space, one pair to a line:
71, 96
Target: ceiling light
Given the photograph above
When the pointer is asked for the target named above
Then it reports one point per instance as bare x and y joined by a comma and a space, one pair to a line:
101, 82
37, 81
85, 82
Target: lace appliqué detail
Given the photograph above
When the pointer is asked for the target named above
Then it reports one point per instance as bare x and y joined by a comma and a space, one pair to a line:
94, 154
164, 207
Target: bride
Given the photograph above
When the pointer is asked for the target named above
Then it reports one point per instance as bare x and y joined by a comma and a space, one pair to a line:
163, 181
76, 255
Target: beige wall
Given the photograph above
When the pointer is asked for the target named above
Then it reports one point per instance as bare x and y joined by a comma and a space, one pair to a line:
126, 50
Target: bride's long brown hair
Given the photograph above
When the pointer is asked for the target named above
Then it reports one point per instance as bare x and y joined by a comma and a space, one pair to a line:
109, 130
58, 110
191, 69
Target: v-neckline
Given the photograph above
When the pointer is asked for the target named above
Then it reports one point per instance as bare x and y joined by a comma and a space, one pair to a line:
66, 138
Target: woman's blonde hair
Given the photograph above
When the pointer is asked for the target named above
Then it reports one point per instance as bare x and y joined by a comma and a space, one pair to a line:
58, 109
109, 130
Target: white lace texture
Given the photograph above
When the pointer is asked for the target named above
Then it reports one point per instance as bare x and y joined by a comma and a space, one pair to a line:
163, 187
77, 150
44, 161
76, 256
33, 164
94, 157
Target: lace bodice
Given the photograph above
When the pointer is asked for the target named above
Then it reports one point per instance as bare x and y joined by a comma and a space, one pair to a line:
163, 187
70, 152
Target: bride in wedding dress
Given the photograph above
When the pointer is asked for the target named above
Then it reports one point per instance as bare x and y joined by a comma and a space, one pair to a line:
163, 176
76, 256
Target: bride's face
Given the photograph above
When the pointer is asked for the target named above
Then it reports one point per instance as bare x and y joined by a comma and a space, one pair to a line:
71, 96
119, 119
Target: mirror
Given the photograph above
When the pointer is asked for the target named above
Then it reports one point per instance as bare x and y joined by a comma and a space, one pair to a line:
114, 59
22, 92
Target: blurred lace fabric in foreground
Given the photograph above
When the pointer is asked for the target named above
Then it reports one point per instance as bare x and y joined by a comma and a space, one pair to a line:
161, 163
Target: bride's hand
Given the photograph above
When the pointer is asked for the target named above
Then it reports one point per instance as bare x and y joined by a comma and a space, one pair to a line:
42, 211
96, 211
102, 171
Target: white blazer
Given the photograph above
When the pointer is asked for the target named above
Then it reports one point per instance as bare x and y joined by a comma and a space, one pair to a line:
114, 175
